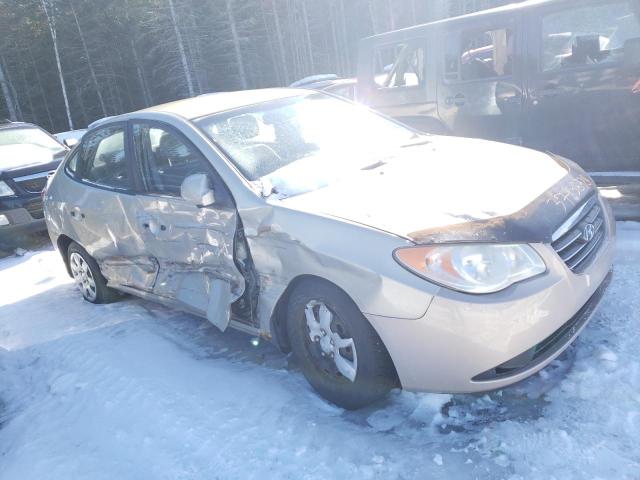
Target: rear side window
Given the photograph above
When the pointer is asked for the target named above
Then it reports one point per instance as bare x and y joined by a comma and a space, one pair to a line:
477, 55
590, 35
104, 158
400, 65
165, 159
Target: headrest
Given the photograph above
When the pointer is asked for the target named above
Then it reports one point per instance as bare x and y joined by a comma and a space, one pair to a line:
244, 126
586, 46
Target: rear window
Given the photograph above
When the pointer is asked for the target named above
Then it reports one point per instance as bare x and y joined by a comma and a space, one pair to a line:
400, 65
590, 35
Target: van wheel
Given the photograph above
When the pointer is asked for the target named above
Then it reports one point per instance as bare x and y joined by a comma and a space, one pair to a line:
339, 352
86, 274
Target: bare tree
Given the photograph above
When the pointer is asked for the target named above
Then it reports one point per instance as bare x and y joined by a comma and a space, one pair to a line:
88, 57
49, 11
236, 45
183, 56
6, 93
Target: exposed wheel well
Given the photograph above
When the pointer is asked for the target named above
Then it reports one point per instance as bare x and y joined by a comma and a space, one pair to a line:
278, 319
63, 246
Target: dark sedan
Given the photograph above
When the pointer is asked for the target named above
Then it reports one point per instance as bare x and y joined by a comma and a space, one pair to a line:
28, 154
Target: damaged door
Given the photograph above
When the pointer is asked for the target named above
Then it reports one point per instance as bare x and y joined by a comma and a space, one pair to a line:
192, 240
95, 211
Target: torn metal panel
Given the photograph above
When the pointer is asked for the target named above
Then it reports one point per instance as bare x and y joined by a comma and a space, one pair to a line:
286, 245
219, 308
194, 250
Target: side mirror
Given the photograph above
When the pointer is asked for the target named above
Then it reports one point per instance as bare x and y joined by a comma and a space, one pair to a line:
70, 142
197, 189
632, 52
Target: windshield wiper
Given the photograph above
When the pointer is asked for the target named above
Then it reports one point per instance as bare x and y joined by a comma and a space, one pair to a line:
375, 165
424, 141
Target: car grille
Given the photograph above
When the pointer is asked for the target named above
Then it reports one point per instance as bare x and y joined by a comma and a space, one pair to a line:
35, 209
577, 241
32, 184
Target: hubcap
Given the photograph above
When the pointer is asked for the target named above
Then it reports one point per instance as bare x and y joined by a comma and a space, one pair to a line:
331, 338
83, 276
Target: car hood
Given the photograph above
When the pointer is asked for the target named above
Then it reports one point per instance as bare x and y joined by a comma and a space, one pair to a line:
455, 189
14, 157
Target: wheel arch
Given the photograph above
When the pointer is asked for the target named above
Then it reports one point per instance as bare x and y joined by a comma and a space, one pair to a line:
278, 319
63, 243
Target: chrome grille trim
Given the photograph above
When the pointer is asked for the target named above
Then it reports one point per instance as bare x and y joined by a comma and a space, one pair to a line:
572, 220
570, 240
33, 183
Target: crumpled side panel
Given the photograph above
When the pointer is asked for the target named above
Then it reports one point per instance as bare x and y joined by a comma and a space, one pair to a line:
280, 256
194, 248
136, 272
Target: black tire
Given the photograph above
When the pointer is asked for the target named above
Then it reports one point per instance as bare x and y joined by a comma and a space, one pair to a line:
103, 294
375, 373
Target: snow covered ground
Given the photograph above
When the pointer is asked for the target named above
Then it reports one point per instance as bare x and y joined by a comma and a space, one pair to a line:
133, 390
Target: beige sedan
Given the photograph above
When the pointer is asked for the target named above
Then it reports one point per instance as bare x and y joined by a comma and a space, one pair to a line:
381, 257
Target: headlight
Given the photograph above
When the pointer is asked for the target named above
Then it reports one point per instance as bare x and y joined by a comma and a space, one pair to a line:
472, 268
5, 190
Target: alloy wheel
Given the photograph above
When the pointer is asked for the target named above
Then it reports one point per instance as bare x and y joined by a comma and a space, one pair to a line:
83, 276
330, 342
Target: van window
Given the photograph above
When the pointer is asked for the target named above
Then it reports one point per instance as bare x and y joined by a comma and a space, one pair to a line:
165, 159
400, 65
104, 158
475, 55
590, 35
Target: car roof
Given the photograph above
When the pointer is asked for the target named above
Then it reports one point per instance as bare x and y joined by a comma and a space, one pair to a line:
510, 7
212, 103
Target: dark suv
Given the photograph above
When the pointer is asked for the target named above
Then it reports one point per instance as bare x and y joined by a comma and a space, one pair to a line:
554, 75
28, 155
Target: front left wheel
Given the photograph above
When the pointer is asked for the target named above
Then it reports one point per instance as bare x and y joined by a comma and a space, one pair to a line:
86, 274
339, 352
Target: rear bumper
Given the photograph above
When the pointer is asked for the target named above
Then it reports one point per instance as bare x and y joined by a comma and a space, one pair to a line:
466, 343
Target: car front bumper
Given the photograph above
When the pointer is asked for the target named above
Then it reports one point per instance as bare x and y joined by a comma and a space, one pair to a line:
470, 343
22, 219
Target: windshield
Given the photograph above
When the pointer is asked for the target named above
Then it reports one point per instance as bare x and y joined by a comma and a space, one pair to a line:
299, 144
29, 136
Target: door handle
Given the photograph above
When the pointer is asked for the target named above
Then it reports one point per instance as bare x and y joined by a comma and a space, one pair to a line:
151, 225
76, 213
458, 100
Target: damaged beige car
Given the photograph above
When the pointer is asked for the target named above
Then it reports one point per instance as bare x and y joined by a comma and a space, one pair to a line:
380, 256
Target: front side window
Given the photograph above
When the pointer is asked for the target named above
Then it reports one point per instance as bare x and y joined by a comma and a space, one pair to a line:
476, 55
303, 143
591, 35
72, 163
399, 65
104, 158
165, 159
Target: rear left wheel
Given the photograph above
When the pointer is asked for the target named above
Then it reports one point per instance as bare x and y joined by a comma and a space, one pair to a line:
86, 274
